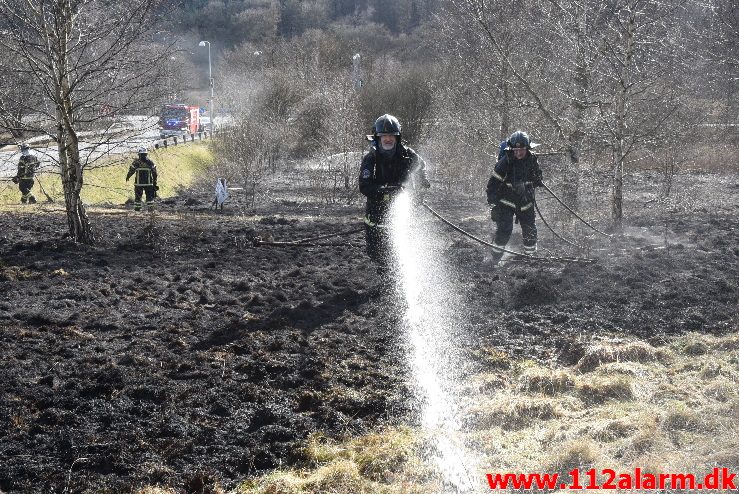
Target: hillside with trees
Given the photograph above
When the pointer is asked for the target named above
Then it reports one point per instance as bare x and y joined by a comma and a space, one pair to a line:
606, 88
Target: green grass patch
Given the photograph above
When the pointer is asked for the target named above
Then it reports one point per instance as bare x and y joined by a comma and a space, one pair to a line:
105, 182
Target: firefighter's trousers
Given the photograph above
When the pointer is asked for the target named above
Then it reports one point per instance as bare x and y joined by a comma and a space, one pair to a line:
25, 185
139, 191
504, 228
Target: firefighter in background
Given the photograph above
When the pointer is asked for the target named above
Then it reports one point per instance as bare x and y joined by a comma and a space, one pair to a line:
388, 167
27, 166
145, 181
510, 191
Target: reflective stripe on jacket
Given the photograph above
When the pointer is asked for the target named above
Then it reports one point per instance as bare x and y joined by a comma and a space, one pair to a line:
27, 167
145, 171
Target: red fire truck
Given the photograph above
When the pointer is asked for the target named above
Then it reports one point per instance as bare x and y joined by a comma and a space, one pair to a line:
177, 120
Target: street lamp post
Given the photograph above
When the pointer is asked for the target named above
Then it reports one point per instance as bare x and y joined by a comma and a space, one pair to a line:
210, 83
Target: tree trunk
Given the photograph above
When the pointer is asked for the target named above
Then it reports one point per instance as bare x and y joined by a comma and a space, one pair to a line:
622, 96
70, 164
617, 198
581, 82
80, 229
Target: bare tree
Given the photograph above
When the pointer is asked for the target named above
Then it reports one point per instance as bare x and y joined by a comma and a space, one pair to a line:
639, 96
245, 153
597, 75
85, 59
480, 82
16, 98
541, 62
722, 52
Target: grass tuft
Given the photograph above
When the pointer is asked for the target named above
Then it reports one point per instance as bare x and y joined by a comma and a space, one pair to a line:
341, 475
614, 429
646, 439
545, 381
379, 455
513, 412
721, 390
598, 355
581, 454
493, 359
694, 347
680, 418
601, 389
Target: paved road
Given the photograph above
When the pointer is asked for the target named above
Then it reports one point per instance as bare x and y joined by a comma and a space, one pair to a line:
123, 137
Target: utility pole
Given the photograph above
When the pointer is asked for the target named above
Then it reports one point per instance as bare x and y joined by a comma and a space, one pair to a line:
210, 83
357, 71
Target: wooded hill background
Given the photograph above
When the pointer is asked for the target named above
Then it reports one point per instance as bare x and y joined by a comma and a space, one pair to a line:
605, 85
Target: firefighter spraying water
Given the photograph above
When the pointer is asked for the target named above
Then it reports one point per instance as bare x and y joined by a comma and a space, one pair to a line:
388, 168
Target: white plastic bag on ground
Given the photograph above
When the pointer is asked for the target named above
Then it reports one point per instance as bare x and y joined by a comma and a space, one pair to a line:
221, 192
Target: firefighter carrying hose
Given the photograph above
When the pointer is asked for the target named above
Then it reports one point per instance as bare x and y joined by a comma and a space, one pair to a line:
145, 181
27, 166
510, 191
388, 167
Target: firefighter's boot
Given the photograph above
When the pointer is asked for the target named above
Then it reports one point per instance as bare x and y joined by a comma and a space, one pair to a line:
497, 253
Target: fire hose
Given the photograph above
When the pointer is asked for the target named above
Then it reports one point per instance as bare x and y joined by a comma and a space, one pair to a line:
573, 212
518, 254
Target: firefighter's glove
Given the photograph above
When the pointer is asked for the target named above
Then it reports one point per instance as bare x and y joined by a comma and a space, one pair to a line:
425, 183
494, 212
15, 180
156, 187
388, 191
538, 182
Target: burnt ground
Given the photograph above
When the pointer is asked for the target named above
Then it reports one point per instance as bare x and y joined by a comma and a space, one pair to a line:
177, 353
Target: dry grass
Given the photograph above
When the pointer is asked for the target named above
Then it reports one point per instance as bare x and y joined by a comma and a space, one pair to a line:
493, 359
598, 390
487, 383
613, 430
680, 418
599, 355
545, 381
625, 404
14, 273
582, 454
382, 463
512, 412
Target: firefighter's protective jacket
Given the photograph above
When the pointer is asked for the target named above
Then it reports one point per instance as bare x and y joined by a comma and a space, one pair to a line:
513, 181
404, 168
145, 171
27, 166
